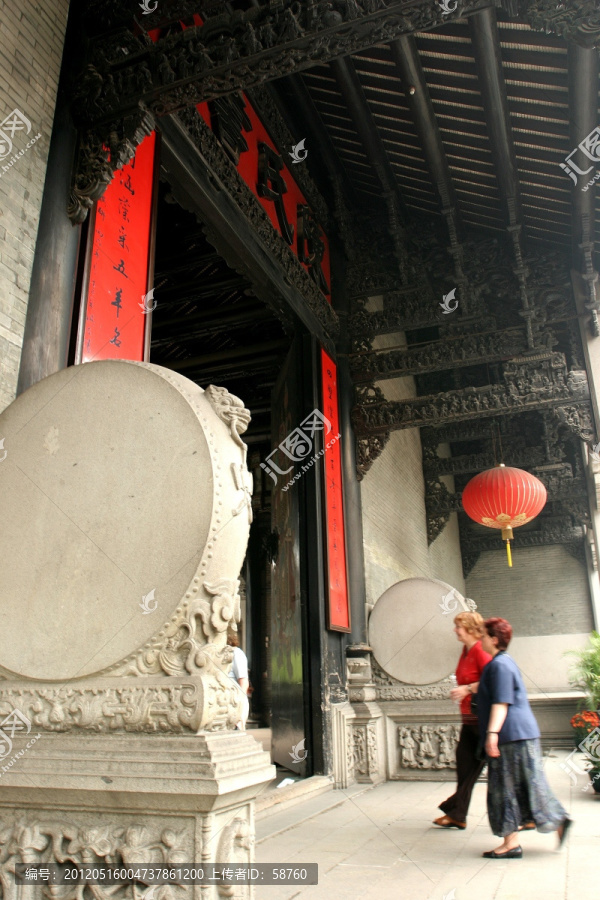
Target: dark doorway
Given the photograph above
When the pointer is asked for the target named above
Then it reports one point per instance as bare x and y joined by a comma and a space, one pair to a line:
209, 326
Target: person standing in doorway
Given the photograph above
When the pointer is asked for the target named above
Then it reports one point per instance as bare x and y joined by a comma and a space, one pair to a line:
239, 673
468, 627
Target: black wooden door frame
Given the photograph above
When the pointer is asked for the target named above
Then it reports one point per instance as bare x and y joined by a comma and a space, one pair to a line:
193, 182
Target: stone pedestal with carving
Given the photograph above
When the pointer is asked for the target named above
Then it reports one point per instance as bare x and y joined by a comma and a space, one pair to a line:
130, 503
123, 800
399, 722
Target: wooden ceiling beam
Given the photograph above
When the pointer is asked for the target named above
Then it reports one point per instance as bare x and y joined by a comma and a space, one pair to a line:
583, 104
488, 59
408, 63
254, 353
229, 325
366, 127
201, 287
229, 313
486, 46
297, 104
360, 113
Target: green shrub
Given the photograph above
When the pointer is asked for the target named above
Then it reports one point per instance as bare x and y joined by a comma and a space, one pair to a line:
585, 673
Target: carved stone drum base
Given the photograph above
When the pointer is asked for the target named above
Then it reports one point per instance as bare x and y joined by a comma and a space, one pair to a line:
123, 800
129, 499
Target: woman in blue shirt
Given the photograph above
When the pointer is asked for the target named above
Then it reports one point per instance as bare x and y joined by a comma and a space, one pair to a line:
517, 788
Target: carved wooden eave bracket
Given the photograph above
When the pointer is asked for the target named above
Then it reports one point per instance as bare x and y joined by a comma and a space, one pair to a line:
100, 153
536, 382
369, 447
575, 20
129, 79
223, 173
238, 51
462, 350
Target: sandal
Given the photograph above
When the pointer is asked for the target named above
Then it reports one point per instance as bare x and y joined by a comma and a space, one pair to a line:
447, 822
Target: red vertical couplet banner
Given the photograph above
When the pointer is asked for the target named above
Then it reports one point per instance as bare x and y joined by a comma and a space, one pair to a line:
115, 312
338, 612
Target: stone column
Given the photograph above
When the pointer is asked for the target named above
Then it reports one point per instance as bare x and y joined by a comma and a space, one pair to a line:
50, 306
591, 351
130, 501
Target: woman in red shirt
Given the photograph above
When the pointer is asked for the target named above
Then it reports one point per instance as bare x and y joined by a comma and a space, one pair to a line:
468, 627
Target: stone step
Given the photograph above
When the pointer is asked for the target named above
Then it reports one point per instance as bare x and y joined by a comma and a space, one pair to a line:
302, 807
274, 798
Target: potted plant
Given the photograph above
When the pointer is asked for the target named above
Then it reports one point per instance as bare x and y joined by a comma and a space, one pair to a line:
585, 673
583, 723
591, 748
594, 774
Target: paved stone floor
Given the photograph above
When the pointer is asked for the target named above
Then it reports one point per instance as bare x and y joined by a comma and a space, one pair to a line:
378, 842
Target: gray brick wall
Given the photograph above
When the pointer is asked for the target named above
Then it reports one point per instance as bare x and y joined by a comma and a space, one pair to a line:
393, 500
546, 591
31, 44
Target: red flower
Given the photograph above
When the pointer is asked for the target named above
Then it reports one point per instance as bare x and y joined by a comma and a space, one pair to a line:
587, 720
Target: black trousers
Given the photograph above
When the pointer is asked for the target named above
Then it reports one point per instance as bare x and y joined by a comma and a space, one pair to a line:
468, 770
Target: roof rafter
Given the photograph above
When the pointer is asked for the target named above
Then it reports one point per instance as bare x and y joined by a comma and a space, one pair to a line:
583, 102
358, 109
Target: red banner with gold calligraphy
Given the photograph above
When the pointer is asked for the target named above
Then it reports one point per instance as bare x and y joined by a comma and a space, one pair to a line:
338, 611
116, 310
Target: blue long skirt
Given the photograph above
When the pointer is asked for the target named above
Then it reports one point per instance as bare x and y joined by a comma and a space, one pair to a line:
518, 791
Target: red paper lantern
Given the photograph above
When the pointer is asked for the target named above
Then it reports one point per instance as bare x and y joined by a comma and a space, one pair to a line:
504, 498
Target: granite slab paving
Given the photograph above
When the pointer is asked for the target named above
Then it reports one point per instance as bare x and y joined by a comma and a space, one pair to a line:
379, 842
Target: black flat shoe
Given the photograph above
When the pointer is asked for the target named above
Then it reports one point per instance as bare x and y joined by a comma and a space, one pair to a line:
515, 853
562, 830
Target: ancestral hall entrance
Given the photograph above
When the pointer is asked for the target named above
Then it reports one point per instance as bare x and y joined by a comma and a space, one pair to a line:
204, 320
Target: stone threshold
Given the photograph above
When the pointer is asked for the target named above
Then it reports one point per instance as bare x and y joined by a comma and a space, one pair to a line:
274, 798
305, 806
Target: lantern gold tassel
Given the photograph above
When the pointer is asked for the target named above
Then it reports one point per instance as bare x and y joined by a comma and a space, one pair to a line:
507, 534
